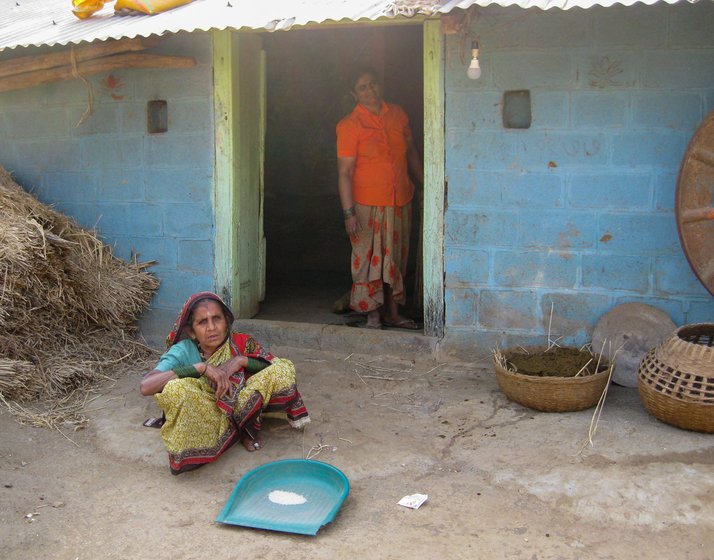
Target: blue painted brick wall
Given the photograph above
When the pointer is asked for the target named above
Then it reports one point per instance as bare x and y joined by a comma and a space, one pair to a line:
146, 194
576, 213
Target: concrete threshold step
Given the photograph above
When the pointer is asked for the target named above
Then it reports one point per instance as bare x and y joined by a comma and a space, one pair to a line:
340, 338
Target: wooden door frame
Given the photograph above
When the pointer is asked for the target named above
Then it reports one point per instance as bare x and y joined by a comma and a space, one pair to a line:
225, 248
226, 234
434, 180
239, 278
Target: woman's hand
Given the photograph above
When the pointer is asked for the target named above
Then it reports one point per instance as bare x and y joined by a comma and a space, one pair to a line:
218, 378
352, 226
234, 365
345, 171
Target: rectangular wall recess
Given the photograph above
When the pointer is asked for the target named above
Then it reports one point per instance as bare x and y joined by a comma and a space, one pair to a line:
517, 109
157, 116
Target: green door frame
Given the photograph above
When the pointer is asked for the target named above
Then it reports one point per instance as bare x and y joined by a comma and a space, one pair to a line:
239, 113
434, 180
226, 227
224, 107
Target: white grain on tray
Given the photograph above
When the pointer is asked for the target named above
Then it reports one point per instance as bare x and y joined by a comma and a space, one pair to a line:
286, 498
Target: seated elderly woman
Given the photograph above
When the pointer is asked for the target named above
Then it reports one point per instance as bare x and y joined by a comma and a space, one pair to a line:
213, 384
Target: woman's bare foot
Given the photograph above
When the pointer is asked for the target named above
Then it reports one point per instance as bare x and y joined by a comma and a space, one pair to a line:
253, 442
390, 313
374, 321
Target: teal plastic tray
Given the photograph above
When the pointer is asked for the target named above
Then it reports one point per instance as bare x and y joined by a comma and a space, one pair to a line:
321, 487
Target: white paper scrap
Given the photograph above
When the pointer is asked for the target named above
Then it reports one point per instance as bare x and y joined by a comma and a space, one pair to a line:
413, 501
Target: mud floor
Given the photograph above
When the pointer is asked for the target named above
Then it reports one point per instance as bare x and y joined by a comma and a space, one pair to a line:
503, 481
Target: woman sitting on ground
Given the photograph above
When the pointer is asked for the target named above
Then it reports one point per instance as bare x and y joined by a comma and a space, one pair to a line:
213, 384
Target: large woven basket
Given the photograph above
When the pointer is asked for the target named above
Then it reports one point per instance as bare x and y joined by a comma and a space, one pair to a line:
550, 394
676, 379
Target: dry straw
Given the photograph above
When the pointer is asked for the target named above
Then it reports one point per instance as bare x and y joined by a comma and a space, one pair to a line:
68, 308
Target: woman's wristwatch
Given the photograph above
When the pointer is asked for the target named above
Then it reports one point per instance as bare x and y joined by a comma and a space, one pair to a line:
349, 212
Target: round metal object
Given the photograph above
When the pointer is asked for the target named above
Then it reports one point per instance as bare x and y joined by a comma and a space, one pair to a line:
694, 203
626, 333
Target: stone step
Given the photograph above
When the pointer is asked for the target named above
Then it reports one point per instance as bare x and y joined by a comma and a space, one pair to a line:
340, 338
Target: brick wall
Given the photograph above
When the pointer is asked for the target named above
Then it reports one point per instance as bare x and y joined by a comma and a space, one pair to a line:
148, 193
574, 214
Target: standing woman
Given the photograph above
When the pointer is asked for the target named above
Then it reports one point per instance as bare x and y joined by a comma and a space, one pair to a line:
213, 384
375, 154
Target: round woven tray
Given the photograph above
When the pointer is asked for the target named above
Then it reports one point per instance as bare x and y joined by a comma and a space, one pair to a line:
676, 379
550, 394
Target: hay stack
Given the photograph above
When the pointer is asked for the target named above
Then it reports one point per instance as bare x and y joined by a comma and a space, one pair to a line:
68, 306
18, 378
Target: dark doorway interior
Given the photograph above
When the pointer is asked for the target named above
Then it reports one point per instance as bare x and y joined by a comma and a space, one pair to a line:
308, 252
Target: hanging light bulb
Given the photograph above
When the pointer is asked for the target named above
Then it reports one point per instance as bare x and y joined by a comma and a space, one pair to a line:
474, 70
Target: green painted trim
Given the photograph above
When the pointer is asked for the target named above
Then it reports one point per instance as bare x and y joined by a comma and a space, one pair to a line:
224, 178
434, 184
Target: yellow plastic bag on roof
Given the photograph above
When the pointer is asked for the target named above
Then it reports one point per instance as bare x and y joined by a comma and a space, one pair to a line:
147, 6
85, 8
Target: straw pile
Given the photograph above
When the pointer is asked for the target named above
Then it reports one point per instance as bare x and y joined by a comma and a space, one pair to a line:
68, 306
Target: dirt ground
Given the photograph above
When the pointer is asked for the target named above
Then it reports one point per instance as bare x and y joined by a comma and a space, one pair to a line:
503, 481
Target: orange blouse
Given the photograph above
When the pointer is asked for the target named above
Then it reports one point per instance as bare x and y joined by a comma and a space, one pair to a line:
379, 144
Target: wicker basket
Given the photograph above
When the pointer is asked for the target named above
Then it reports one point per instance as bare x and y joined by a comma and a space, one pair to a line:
550, 394
676, 379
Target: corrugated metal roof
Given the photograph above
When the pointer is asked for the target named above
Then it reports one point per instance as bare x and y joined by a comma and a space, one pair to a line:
50, 22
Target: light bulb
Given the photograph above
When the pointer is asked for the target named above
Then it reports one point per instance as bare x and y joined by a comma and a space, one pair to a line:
474, 70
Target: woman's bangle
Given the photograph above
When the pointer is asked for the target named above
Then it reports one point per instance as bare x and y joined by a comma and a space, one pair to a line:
186, 371
255, 365
349, 212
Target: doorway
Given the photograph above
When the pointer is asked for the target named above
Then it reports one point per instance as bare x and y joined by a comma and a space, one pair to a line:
308, 253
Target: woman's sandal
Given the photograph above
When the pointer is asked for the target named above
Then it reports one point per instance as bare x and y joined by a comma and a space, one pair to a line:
408, 324
155, 422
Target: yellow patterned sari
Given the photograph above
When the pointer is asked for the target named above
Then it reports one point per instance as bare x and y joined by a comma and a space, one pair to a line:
198, 428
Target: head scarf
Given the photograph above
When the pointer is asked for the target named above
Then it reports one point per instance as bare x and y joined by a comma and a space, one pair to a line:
179, 331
